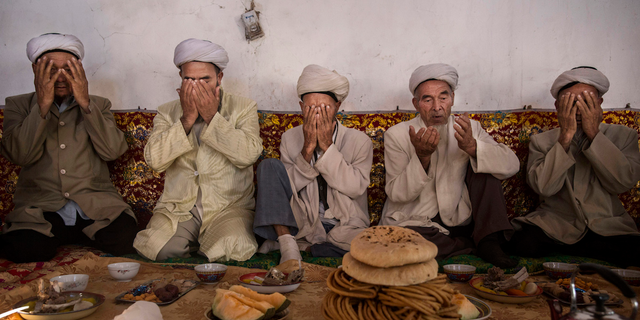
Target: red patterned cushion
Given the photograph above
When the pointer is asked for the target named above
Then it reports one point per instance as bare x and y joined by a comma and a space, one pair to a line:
141, 187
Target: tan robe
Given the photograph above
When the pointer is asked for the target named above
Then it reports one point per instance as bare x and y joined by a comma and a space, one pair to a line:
74, 141
415, 196
222, 166
345, 167
579, 189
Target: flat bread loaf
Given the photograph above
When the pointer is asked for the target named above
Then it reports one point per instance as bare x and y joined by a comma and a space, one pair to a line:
391, 246
393, 276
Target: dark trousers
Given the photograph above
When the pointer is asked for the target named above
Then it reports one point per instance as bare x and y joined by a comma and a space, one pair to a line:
273, 207
622, 251
22, 246
488, 212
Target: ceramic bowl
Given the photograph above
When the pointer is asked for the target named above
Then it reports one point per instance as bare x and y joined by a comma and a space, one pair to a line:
123, 271
502, 298
632, 277
459, 272
210, 273
249, 280
559, 270
72, 282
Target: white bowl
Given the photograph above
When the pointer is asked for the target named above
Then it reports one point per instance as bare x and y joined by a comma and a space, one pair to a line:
559, 270
632, 277
72, 282
459, 272
123, 271
210, 273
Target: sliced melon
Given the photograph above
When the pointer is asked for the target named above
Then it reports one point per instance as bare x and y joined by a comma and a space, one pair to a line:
276, 299
262, 306
227, 307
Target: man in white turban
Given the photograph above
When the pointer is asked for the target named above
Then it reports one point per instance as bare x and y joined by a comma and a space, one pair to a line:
62, 138
578, 170
315, 196
443, 173
206, 142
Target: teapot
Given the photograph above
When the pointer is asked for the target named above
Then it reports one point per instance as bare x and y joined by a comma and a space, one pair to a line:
599, 311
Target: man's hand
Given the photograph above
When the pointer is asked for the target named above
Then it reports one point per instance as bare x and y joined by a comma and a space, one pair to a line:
324, 128
310, 119
425, 141
464, 135
78, 82
45, 82
591, 112
207, 100
189, 110
567, 119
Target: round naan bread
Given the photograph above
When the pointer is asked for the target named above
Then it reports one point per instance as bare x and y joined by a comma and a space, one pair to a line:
394, 276
391, 246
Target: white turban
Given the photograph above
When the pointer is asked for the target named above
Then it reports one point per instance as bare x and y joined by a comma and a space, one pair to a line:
586, 75
315, 78
201, 51
54, 41
436, 71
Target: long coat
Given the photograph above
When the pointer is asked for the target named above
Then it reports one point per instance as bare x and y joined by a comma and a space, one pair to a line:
221, 166
579, 189
345, 166
63, 157
415, 195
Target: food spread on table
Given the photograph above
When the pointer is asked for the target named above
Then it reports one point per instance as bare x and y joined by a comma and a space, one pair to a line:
159, 291
496, 282
584, 289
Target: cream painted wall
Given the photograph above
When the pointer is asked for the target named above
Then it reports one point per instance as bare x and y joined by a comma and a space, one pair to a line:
507, 52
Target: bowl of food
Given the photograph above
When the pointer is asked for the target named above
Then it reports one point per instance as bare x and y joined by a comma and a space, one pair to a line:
123, 271
70, 282
459, 272
632, 277
210, 273
527, 292
254, 281
559, 270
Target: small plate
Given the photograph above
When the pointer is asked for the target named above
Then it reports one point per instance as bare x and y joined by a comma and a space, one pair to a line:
119, 298
282, 315
619, 302
71, 315
503, 298
483, 307
246, 278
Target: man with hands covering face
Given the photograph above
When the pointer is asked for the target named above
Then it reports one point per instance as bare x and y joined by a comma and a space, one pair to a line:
63, 137
206, 142
443, 173
578, 170
315, 197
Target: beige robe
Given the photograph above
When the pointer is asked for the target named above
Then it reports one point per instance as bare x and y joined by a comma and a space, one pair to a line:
345, 167
579, 189
412, 192
222, 166
63, 157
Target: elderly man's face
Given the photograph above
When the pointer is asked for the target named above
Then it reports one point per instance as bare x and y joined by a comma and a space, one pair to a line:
578, 90
317, 99
196, 70
433, 100
62, 87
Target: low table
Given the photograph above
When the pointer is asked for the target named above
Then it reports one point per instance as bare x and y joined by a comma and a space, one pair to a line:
306, 301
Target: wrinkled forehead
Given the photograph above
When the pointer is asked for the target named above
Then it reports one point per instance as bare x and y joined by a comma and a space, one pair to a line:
578, 89
315, 98
433, 87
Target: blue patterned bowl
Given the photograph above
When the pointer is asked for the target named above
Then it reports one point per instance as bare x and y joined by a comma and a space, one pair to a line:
459, 272
210, 273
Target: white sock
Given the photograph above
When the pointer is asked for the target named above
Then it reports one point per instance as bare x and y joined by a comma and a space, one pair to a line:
268, 246
289, 248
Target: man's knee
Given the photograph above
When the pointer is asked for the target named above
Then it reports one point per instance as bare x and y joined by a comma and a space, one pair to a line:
269, 167
175, 248
23, 246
